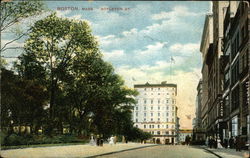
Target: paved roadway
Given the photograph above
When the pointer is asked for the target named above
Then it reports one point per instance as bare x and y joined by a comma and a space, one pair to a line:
163, 151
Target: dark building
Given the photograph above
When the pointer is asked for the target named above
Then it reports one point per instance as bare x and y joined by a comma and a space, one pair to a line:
227, 61
236, 70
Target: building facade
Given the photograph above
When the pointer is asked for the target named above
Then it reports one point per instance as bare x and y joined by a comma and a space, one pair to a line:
227, 61
198, 131
236, 70
156, 111
206, 49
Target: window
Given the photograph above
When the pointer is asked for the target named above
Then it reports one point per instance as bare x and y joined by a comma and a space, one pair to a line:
167, 114
158, 119
152, 89
158, 132
136, 120
136, 126
152, 101
149, 126
235, 72
172, 113
152, 114
145, 114
167, 132
172, 119
145, 126
151, 107
167, 101
136, 114
136, 108
172, 126
145, 89
159, 93
151, 119
166, 119
153, 126
144, 119
159, 108
159, 101
145, 108
167, 107
248, 123
235, 98
235, 126
158, 126
159, 114
145, 101
166, 126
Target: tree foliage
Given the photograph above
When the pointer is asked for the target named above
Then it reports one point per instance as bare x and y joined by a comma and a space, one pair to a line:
13, 12
22, 101
62, 69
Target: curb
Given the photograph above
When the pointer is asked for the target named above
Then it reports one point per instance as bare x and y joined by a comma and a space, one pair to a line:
212, 152
114, 152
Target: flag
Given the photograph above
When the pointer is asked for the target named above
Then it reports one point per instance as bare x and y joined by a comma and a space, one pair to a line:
172, 60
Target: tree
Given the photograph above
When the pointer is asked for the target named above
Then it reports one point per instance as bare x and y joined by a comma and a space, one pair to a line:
22, 103
13, 12
55, 43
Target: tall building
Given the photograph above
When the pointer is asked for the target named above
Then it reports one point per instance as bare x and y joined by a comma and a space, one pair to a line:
215, 85
227, 60
206, 50
156, 111
236, 70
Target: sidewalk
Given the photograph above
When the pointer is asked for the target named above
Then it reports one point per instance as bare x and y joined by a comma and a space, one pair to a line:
227, 153
70, 151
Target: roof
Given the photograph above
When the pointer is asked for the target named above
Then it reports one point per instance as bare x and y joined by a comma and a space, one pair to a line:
163, 84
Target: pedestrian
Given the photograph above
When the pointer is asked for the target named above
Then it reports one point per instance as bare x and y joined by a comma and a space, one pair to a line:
231, 142
225, 143
210, 142
219, 144
111, 142
238, 143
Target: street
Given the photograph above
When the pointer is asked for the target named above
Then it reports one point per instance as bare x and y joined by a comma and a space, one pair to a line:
163, 152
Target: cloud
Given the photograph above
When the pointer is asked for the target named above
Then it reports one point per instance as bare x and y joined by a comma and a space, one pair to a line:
178, 11
63, 13
114, 54
152, 49
105, 40
184, 48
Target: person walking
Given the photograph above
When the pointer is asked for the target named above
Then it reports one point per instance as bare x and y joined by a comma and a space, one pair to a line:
231, 142
225, 143
210, 142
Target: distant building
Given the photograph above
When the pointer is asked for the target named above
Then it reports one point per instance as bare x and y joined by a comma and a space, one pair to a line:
183, 133
198, 131
156, 111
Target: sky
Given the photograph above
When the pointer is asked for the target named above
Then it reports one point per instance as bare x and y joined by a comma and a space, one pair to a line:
146, 41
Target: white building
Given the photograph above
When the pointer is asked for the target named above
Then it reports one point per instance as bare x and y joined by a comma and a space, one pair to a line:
156, 111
